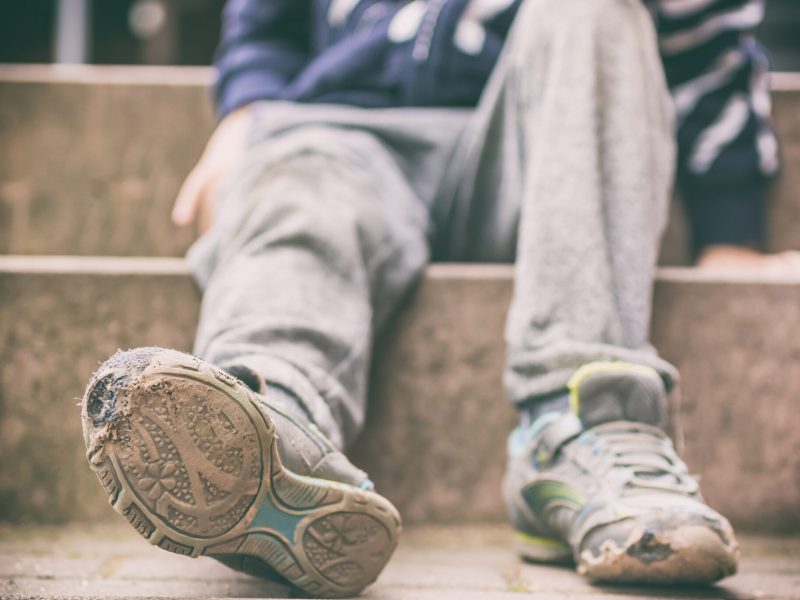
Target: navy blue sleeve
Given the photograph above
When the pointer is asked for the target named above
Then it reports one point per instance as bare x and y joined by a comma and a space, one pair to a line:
728, 151
264, 44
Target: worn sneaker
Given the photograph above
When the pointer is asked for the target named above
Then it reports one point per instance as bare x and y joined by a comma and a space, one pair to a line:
602, 486
197, 463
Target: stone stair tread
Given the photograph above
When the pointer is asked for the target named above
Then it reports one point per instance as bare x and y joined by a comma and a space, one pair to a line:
160, 265
464, 562
100, 265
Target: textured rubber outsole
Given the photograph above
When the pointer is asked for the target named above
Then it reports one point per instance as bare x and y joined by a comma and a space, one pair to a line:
188, 458
692, 554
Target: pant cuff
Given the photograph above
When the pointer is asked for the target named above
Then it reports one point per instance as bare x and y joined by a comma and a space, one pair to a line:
549, 375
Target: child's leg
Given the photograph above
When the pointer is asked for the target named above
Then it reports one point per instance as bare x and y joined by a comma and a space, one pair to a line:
568, 164
315, 242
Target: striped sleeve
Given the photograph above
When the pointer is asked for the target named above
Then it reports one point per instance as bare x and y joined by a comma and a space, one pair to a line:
264, 44
728, 150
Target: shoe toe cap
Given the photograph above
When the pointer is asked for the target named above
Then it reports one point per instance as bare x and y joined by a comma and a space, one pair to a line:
663, 546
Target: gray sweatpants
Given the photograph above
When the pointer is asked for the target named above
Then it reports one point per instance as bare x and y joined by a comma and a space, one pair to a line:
565, 166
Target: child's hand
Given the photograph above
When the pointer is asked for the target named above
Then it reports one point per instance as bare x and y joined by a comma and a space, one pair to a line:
195, 201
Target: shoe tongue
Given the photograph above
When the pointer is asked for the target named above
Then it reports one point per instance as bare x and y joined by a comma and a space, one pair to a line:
605, 392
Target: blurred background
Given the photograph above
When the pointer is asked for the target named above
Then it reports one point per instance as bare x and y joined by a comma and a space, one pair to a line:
184, 32
165, 32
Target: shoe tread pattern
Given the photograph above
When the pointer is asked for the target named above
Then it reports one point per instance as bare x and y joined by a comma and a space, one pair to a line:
347, 547
193, 457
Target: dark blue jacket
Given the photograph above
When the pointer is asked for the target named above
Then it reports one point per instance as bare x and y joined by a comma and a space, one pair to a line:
383, 53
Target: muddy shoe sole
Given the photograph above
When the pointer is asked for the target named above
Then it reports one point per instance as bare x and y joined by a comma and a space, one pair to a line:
188, 458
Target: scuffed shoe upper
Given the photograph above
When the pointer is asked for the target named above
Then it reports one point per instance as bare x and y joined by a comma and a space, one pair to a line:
306, 451
605, 470
303, 448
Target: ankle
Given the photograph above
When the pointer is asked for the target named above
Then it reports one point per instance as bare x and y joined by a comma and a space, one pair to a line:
531, 409
276, 394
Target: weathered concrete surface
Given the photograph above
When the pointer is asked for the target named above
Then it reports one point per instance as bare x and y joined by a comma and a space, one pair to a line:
438, 421
92, 159
736, 346
90, 165
55, 326
464, 563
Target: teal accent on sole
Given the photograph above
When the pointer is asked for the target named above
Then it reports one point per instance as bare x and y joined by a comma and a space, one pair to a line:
270, 516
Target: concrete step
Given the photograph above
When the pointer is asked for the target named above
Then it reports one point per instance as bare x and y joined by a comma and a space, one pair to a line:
438, 421
93, 157
452, 563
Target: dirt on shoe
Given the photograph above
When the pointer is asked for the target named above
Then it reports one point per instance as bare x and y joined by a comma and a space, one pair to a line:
189, 456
